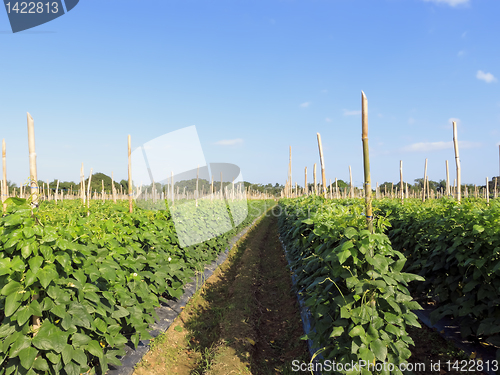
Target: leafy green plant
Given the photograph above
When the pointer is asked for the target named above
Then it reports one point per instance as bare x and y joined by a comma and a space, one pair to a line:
351, 279
94, 281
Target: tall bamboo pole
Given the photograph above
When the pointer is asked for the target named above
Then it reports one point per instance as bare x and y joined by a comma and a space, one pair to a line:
57, 189
322, 162
447, 179
34, 191
401, 181
113, 189
495, 188
33, 175
366, 163
129, 175
457, 161
425, 180
172, 184
351, 188
89, 192
487, 192
5, 189
82, 185
221, 191
336, 189
305, 182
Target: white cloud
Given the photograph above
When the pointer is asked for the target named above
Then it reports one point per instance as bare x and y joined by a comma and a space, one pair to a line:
351, 113
437, 146
486, 77
305, 105
229, 142
449, 2
328, 119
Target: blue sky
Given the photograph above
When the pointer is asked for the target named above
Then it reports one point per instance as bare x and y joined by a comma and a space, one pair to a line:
255, 77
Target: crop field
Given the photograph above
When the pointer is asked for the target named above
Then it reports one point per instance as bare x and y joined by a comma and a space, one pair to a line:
78, 283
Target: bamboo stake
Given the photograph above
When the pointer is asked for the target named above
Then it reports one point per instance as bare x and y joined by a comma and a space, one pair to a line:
401, 181
113, 189
447, 179
322, 163
351, 189
336, 189
34, 191
457, 161
5, 189
172, 185
425, 179
57, 189
221, 191
315, 183
495, 189
82, 185
305, 182
129, 175
366, 164
33, 174
487, 192
89, 192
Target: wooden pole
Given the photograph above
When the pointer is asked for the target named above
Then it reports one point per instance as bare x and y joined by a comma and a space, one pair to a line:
89, 192
425, 179
457, 161
82, 185
172, 184
322, 163
351, 188
315, 183
336, 189
487, 192
57, 189
366, 163
5, 189
305, 182
113, 189
130, 209
401, 181
447, 179
32, 154
495, 189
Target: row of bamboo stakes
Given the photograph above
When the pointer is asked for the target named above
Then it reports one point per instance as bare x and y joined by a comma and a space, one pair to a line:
38, 193
43, 192
334, 192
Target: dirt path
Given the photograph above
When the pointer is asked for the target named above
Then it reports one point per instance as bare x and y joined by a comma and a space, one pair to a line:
245, 320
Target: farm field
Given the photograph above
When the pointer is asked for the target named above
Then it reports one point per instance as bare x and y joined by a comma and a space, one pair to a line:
80, 282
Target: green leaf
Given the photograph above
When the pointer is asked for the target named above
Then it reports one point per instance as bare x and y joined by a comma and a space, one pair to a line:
357, 331
120, 312
94, 348
19, 344
379, 349
79, 340
72, 369
337, 331
27, 356
12, 303
477, 229
23, 314
100, 325
46, 275
40, 364
67, 354
12, 287
350, 232
366, 355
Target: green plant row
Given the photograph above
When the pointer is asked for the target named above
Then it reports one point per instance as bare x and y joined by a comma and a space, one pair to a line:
351, 280
93, 277
457, 249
